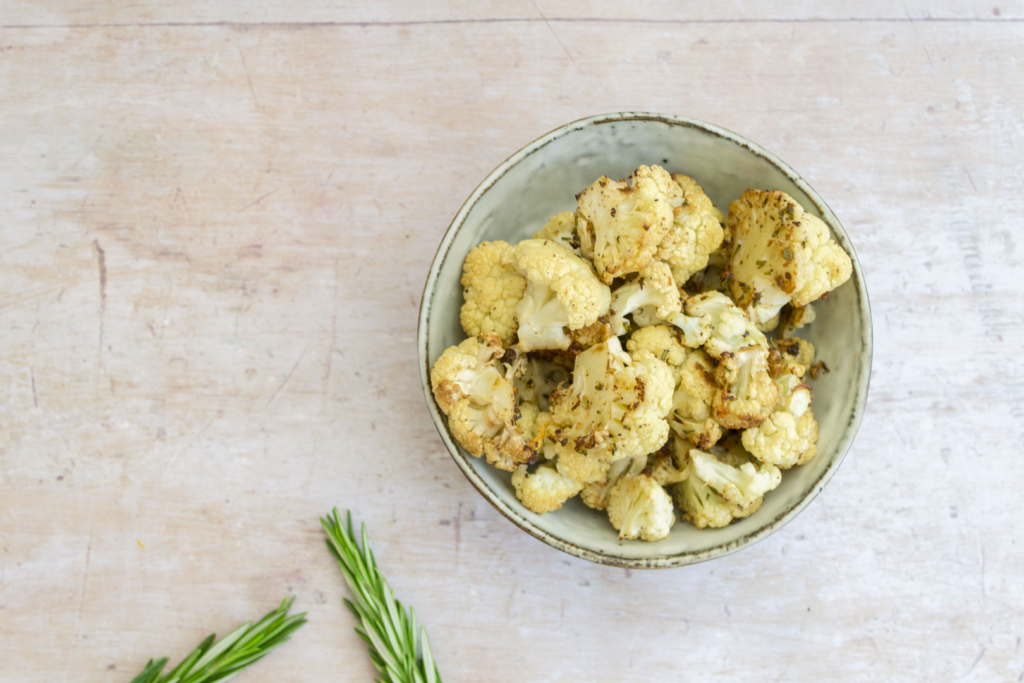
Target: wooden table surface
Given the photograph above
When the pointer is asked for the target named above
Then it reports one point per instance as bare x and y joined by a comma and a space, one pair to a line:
215, 224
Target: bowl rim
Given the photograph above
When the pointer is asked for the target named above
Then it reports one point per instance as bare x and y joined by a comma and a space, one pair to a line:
491, 496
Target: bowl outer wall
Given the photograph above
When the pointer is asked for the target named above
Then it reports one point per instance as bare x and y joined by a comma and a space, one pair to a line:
631, 135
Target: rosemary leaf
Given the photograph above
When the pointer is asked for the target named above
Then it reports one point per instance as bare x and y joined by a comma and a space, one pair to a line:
384, 624
243, 646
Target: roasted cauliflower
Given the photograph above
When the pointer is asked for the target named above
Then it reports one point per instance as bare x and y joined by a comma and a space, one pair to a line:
700, 406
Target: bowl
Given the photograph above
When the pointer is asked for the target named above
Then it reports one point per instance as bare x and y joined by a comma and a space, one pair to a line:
542, 179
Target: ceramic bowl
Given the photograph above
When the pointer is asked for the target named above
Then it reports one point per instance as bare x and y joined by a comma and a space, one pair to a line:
541, 180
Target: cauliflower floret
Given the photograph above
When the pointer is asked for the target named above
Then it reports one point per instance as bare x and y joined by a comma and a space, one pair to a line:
477, 393
731, 329
561, 229
544, 489
776, 441
459, 368
735, 478
596, 495
620, 224
697, 231
670, 465
652, 298
527, 420
691, 404
723, 486
660, 341
780, 255
561, 292
807, 428
703, 508
749, 394
492, 291
639, 508
792, 318
573, 464
616, 405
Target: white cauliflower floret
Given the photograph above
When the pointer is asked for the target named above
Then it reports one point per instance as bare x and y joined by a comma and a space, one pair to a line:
639, 508
492, 291
697, 231
780, 255
561, 229
561, 292
748, 395
777, 441
723, 486
596, 495
731, 329
476, 391
616, 405
620, 224
807, 428
544, 489
652, 298
740, 483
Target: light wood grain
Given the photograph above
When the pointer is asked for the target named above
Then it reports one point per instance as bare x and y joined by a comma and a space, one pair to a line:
213, 240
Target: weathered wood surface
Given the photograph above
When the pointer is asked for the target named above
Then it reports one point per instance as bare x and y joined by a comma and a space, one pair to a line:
215, 223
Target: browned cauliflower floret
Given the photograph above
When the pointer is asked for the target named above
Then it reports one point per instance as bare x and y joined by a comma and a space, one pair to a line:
620, 224
748, 395
780, 255
544, 489
692, 416
639, 508
616, 405
476, 391
561, 292
492, 291
792, 318
697, 231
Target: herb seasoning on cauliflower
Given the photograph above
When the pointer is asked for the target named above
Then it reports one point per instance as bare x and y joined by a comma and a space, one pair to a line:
781, 255
620, 224
700, 407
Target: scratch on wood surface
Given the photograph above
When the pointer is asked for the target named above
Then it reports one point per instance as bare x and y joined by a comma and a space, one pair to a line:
296, 25
181, 195
35, 396
252, 204
248, 78
918, 36
286, 379
101, 262
564, 48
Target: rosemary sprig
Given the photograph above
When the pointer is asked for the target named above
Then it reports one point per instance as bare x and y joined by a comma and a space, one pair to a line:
386, 627
243, 646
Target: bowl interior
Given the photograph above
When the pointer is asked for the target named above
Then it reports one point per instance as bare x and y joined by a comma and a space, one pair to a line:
542, 180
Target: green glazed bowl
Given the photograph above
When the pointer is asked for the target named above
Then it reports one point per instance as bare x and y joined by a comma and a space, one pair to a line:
542, 179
